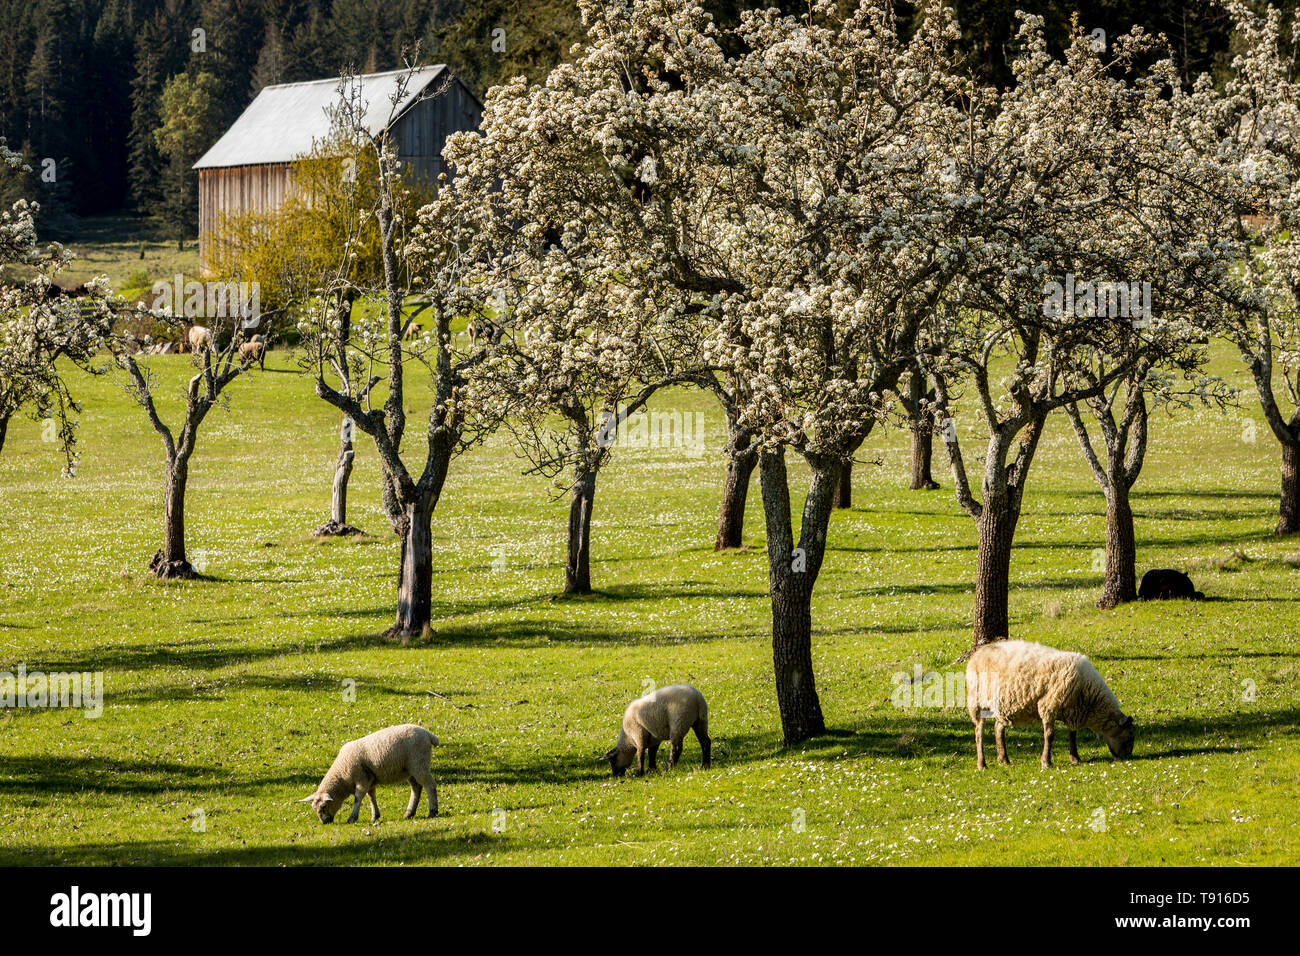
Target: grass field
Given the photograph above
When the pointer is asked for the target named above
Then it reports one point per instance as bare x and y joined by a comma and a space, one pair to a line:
225, 700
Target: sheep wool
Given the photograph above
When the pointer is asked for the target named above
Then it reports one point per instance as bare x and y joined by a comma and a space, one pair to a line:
665, 714
391, 755
1018, 682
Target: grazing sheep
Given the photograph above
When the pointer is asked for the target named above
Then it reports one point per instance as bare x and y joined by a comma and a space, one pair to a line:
254, 350
1018, 682
386, 756
200, 338
413, 331
1165, 583
665, 714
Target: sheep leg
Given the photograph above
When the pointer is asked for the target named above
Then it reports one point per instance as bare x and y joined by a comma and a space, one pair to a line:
674, 752
361, 789
979, 743
374, 804
1074, 746
1000, 738
640, 758
415, 800
701, 729
427, 779
653, 750
1048, 731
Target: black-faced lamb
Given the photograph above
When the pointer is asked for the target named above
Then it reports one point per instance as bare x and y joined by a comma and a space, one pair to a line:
1017, 682
1162, 584
390, 755
665, 714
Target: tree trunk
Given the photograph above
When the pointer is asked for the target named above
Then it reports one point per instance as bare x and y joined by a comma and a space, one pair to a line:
791, 575
338, 523
921, 424
577, 566
1121, 550
170, 561
4, 429
415, 596
735, 490
922, 454
1288, 521
844, 487
997, 528
339, 498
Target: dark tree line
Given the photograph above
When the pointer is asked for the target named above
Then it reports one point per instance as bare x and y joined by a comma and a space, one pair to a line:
82, 81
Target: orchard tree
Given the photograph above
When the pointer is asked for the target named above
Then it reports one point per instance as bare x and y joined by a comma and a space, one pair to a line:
776, 212
603, 164
41, 327
581, 354
218, 367
1055, 307
839, 236
1246, 194
429, 266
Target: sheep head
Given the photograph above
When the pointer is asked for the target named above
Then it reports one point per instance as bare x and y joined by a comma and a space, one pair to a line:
1120, 739
324, 804
620, 758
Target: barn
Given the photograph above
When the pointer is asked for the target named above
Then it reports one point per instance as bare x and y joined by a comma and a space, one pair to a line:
249, 169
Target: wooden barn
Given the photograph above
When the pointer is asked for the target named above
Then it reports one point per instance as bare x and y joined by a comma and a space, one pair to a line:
249, 169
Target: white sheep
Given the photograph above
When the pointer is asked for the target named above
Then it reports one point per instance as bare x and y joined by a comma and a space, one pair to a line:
665, 714
1018, 682
390, 755
200, 338
254, 350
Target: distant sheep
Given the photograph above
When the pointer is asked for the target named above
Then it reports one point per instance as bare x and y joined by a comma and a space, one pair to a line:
1018, 682
200, 338
413, 331
666, 714
254, 350
390, 755
1162, 584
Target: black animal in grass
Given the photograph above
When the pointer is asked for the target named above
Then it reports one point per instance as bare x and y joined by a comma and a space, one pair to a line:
1162, 584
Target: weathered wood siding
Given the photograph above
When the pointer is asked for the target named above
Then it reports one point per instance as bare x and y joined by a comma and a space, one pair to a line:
420, 133
236, 190
422, 130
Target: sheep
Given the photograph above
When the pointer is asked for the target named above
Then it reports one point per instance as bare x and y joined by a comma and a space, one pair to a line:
254, 350
665, 714
200, 338
1019, 681
1165, 583
386, 756
413, 331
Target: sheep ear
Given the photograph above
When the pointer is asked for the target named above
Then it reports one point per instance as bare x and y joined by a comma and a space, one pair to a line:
307, 799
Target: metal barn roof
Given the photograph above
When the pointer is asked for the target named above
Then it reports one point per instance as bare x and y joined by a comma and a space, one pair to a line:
283, 122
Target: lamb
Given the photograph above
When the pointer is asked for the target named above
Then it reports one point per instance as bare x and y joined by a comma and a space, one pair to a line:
390, 755
200, 338
254, 350
1019, 681
1165, 583
665, 714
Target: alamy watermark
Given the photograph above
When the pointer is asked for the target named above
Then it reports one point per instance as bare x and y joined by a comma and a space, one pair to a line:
1113, 300
211, 300
940, 689
660, 428
38, 690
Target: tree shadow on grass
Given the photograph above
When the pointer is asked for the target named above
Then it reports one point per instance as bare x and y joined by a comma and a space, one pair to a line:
197, 653
416, 841
44, 775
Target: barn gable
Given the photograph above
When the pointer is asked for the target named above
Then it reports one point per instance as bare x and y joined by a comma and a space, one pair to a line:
248, 168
